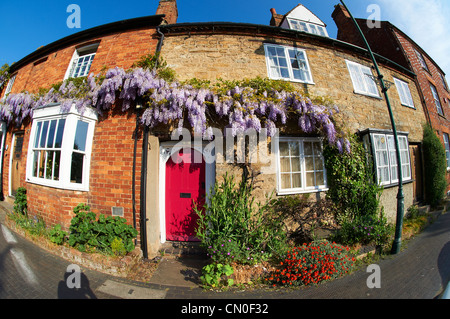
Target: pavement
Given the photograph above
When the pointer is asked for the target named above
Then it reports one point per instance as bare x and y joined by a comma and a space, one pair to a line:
421, 270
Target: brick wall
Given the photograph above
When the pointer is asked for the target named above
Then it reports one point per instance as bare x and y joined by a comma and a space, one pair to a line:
118, 49
113, 144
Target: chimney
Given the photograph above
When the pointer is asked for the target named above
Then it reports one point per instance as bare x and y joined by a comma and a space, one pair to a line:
168, 8
346, 28
276, 18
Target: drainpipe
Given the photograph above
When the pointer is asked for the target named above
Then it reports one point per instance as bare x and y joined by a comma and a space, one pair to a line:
143, 202
400, 196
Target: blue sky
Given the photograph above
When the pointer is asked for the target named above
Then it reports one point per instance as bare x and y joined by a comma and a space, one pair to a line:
26, 25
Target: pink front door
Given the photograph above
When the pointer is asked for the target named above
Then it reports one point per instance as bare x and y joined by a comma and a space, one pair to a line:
185, 183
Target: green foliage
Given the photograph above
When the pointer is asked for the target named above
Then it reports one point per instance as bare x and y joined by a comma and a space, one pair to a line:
155, 61
90, 234
364, 230
20, 202
352, 184
435, 166
57, 235
117, 247
4, 75
215, 275
232, 228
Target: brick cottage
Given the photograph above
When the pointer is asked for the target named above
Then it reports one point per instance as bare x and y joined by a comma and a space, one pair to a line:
118, 166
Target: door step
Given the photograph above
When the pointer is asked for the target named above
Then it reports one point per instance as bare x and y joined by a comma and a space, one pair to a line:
182, 249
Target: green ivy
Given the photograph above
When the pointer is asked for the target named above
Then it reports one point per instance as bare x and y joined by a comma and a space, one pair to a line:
351, 179
87, 233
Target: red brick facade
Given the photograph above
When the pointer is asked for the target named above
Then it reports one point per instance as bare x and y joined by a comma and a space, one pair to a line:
111, 171
389, 41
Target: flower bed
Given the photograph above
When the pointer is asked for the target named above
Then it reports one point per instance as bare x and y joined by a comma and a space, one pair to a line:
312, 264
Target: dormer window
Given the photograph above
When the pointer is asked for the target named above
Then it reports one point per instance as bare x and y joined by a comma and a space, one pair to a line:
81, 61
307, 27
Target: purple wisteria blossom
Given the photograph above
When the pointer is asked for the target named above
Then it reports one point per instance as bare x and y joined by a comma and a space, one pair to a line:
241, 108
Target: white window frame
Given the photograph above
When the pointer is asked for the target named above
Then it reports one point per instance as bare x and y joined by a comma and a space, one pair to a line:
437, 100
404, 93
362, 83
67, 147
286, 50
86, 51
390, 151
10, 84
304, 26
447, 149
304, 188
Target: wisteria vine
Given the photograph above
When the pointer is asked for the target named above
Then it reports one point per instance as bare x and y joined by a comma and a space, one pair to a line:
242, 107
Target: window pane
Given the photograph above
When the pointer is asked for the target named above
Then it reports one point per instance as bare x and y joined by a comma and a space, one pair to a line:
296, 180
56, 166
80, 136
309, 161
49, 165
310, 179
35, 163
59, 134
320, 180
38, 134
285, 165
318, 163
285, 181
295, 149
308, 150
295, 162
51, 134
41, 164
76, 172
44, 134
284, 148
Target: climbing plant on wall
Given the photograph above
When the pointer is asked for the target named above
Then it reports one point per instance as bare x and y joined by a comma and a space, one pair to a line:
256, 104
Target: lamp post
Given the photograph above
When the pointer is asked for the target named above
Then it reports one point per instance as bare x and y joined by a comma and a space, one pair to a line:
400, 196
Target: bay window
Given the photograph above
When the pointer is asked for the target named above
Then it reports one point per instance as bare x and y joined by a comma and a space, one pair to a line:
385, 158
60, 146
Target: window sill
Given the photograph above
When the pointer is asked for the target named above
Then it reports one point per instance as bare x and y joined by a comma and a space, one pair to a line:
293, 80
377, 97
396, 184
409, 106
307, 191
72, 187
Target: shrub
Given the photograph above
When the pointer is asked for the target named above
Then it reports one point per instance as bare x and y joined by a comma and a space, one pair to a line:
20, 202
312, 264
232, 228
351, 180
215, 275
364, 230
89, 234
435, 166
57, 235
